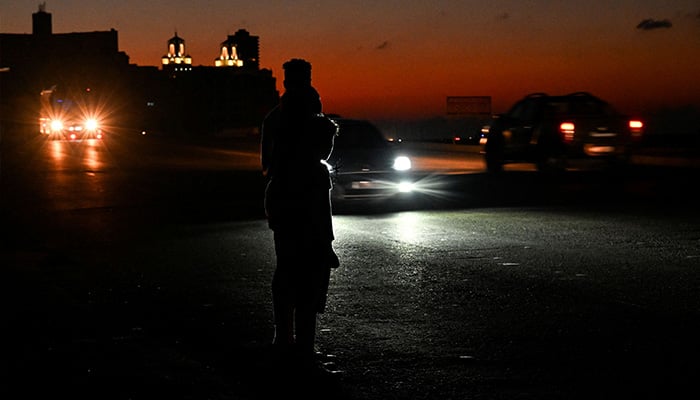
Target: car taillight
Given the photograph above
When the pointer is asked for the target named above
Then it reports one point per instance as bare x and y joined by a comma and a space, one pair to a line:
636, 127
567, 130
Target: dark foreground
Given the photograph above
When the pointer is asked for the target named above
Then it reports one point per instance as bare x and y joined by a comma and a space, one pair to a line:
133, 302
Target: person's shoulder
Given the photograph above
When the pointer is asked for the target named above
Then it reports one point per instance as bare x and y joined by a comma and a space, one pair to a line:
273, 112
322, 123
272, 116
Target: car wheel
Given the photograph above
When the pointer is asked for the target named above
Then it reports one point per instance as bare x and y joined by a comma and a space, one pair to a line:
494, 154
550, 164
494, 163
549, 157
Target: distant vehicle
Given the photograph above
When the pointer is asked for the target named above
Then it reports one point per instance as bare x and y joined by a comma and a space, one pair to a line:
468, 138
364, 165
69, 115
558, 132
469, 130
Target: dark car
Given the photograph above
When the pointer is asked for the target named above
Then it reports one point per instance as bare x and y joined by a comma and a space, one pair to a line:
364, 165
558, 132
69, 115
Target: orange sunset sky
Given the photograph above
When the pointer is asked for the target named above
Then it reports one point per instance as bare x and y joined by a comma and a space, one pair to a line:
401, 59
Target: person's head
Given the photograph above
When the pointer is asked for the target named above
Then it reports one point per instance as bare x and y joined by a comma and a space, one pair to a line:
297, 73
301, 101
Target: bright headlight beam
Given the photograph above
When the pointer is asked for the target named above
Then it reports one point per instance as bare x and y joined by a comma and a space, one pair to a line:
406, 187
56, 125
402, 163
91, 124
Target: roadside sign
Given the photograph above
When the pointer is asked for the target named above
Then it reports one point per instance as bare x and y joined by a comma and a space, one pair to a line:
469, 105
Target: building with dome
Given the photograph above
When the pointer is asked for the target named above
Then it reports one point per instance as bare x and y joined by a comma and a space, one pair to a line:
176, 59
241, 50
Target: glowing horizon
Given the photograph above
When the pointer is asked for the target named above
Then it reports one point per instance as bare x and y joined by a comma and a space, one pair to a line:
387, 60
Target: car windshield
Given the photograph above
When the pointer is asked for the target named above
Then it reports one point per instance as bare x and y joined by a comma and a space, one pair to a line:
359, 135
564, 107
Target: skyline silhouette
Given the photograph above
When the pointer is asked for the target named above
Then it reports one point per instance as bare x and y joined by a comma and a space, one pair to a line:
401, 60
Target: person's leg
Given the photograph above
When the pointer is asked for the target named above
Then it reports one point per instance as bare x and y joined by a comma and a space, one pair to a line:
310, 291
333, 261
282, 296
305, 321
284, 319
316, 280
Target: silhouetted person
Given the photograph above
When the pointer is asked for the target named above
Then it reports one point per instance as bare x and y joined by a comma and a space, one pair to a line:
295, 138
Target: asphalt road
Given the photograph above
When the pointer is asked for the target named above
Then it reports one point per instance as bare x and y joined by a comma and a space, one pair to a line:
137, 268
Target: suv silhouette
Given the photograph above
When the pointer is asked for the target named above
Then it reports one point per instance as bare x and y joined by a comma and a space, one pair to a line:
557, 132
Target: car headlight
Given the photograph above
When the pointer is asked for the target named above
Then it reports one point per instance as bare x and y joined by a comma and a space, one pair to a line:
56, 125
91, 124
402, 163
406, 187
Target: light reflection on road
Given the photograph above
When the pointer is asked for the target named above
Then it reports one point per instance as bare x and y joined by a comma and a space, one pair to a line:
73, 167
74, 155
93, 158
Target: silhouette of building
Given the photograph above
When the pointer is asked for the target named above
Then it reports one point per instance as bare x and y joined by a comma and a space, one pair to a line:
211, 99
228, 57
41, 22
70, 61
42, 59
176, 59
240, 50
179, 99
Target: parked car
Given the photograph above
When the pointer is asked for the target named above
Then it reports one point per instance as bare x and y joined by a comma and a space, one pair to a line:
558, 132
364, 165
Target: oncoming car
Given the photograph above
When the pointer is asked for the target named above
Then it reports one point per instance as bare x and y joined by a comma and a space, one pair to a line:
66, 116
558, 132
365, 166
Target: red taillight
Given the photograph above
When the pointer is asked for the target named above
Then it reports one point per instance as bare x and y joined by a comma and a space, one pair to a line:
636, 127
567, 130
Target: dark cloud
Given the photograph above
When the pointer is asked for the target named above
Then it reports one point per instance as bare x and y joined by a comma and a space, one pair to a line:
383, 45
649, 24
502, 16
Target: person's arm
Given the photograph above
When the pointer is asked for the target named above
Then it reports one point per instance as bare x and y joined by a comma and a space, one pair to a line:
327, 130
266, 141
